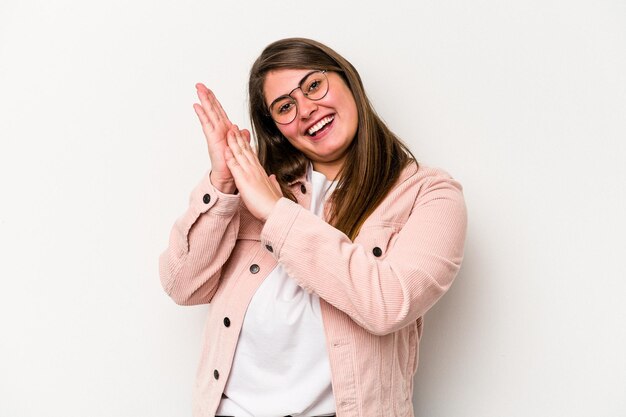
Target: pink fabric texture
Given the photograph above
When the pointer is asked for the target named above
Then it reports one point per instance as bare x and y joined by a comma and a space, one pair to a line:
373, 291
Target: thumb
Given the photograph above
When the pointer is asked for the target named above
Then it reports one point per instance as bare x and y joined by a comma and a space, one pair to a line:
276, 185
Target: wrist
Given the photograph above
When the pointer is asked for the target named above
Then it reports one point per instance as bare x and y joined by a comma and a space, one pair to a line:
225, 186
269, 209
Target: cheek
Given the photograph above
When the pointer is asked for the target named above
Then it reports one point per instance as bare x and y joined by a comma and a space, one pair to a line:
354, 116
349, 104
288, 131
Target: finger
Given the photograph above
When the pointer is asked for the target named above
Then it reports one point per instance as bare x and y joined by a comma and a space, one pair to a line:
246, 135
236, 150
233, 165
204, 120
205, 123
241, 140
204, 108
233, 144
204, 94
234, 168
202, 89
219, 110
247, 150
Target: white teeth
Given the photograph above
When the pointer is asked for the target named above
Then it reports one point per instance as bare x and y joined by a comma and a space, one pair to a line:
317, 126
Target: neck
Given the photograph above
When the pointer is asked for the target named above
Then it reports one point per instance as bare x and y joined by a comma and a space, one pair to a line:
329, 169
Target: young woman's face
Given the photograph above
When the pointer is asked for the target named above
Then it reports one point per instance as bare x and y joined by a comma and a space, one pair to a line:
323, 129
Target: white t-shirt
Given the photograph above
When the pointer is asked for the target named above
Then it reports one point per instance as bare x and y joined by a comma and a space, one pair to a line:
281, 364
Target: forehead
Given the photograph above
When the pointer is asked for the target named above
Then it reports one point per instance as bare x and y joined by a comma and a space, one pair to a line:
282, 81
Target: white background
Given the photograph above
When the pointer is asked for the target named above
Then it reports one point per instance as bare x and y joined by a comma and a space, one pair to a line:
524, 102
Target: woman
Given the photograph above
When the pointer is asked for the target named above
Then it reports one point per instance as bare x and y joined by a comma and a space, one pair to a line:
319, 273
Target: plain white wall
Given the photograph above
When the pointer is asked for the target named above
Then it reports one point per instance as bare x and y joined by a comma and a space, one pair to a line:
523, 101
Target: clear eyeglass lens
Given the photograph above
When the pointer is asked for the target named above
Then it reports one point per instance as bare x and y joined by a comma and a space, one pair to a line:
284, 110
314, 86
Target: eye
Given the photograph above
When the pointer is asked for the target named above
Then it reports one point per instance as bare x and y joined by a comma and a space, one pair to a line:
313, 86
284, 107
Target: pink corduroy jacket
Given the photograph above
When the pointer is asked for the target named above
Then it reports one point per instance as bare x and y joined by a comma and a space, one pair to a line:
373, 291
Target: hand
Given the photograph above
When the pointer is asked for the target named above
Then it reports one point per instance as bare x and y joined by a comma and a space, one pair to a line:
258, 191
215, 125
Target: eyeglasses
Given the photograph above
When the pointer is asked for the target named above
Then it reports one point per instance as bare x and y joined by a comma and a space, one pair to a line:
314, 86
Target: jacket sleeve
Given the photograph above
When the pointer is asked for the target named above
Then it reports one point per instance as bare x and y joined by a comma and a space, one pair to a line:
382, 295
200, 243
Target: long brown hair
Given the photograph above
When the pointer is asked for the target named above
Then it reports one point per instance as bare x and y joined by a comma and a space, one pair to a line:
374, 159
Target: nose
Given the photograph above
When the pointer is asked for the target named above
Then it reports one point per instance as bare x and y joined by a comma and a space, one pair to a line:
306, 107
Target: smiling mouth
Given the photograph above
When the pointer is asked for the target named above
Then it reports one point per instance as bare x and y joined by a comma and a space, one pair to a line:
326, 121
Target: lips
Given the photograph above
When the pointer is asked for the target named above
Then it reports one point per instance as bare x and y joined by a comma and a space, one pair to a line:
319, 125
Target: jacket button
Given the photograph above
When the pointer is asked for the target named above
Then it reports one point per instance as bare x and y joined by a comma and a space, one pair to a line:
226, 322
206, 199
377, 251
254, 268
303, 188
269, 248
216, 374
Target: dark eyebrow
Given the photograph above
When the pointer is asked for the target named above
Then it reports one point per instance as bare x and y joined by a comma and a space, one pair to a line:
287, 95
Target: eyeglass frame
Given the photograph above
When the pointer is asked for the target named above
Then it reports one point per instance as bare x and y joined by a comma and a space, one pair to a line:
299, 87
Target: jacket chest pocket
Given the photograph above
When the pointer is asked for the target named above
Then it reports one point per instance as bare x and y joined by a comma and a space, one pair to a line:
378, 239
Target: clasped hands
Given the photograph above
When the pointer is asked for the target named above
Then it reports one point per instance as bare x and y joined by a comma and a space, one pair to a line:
234, 164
